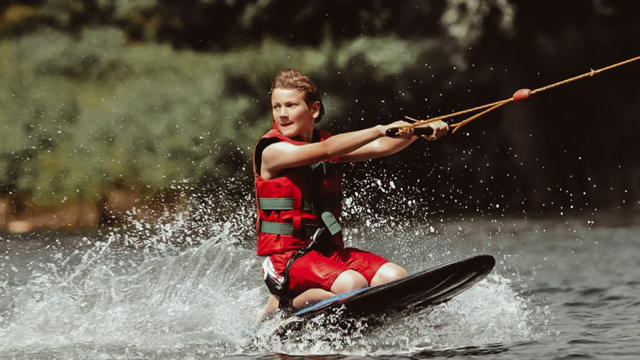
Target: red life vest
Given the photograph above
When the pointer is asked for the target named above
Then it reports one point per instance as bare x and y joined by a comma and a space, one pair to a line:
286, 220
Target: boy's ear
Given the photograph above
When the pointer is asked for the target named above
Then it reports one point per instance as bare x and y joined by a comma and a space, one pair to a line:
315, 108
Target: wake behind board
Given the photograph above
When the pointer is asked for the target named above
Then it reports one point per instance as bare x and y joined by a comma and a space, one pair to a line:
425, 288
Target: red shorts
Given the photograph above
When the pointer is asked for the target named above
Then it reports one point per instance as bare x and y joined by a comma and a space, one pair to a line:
320, 270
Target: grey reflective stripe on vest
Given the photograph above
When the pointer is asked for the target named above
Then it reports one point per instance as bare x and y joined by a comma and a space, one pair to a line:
285, 203
270, 227
275, 203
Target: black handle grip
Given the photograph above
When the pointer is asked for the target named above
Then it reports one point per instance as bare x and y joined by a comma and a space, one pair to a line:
393, 132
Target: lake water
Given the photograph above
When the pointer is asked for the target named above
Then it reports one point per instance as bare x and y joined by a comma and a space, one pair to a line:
190, 287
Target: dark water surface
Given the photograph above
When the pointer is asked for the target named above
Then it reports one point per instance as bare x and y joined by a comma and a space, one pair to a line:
563, 287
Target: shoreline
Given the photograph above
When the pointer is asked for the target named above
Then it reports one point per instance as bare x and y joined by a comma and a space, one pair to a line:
113, 209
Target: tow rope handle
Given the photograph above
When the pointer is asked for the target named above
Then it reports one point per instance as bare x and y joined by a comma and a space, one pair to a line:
393, 132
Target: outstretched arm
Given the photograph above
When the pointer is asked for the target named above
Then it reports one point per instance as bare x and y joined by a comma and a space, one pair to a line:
282, 155
352, 146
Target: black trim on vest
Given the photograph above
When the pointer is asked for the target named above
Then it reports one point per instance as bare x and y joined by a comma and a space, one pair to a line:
260, 146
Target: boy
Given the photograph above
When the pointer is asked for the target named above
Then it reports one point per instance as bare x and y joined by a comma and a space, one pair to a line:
299, 192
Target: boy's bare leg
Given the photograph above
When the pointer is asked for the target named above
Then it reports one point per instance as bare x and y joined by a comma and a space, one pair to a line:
303, 300
388, 272
310, 297
346, 281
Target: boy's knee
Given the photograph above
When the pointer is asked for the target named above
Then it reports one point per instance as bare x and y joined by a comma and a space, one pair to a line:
388, 272
347, 281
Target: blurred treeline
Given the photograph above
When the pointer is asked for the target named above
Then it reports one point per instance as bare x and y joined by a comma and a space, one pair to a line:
98, 95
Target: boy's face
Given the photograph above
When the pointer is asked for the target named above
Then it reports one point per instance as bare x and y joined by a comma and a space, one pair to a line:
291, 114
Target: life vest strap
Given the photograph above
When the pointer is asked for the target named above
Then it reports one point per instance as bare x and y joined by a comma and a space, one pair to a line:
271, 227
284, 203
326, 168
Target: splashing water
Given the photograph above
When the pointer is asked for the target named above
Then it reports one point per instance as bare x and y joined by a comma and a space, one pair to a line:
463, 321
190, 284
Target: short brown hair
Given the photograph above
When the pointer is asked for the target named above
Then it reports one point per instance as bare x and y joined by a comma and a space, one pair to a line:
293, 79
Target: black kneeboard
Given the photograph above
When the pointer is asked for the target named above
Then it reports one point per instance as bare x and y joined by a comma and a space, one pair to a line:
423, 289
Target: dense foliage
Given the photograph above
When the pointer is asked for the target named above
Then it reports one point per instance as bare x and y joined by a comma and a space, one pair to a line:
101, 94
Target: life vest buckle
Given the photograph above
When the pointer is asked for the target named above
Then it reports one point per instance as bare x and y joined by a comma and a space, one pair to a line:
316, 237
326, 168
